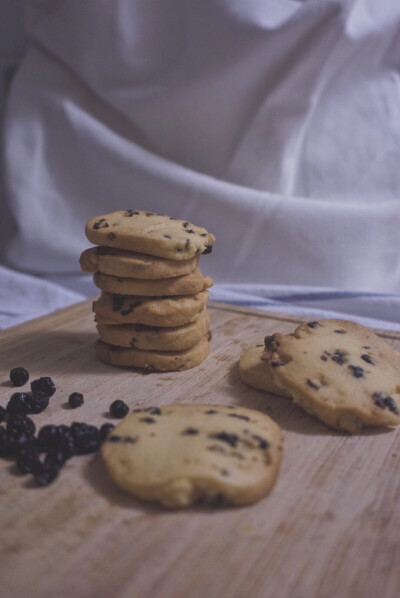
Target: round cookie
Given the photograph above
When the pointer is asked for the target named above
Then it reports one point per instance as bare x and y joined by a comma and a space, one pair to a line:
152, 338
157, 311
188, 284
179, 454
153, 234
255, 372
129, 264
339, 371
162, 361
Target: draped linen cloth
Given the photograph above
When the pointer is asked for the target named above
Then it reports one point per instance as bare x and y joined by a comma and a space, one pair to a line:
275, 124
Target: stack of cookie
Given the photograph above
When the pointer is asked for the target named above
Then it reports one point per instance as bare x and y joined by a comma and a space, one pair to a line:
152, 312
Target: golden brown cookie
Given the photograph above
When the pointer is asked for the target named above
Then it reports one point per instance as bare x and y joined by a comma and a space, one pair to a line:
163, 361
153, 338
128, 264
255, 371
188, 284
153, 234
339, 371
155, 311
179, 454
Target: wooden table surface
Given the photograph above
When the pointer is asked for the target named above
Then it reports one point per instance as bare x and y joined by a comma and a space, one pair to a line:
329, 528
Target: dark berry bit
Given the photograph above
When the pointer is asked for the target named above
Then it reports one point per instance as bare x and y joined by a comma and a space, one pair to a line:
111, 236
367, 358
102, 223
277, 363
19, 376
18, 404
56, 439
3, 413
357, 371
207, 250
312, 384
118, 409
45, 476
75, 400
230, 439
105, 430
21, 425
313, 324
385, 402
238, 416
28, 460
55, 460
148, 420
338, 357
262, 443
190, 432
86, 438
38, 401
339, 331
154, 410
44, 384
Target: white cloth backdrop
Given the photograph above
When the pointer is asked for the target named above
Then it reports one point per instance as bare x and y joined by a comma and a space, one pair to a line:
273, 123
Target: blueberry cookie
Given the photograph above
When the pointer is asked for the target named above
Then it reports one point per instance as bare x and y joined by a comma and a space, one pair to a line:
156, 338
162, 361
188, 284
152, 311
149, 233
129, 264
339, 371
255, 372
178, 455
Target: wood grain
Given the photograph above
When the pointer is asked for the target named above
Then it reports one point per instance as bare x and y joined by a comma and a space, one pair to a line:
329, 528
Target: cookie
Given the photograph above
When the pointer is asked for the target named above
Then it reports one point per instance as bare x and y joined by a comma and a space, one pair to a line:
163, 361
153, 338
188, 284
149, 233
255, 372
129, 264
158, 311
339, 371
178, 455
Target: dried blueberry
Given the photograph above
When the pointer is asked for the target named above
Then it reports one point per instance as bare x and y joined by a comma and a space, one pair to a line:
21, 425
86, 438
75, 400
45, 475
105, 430
230, 439
357, 371
19, 376
28, 460
18, 404
38, 401
56, 439
118, 409
207, 250
190, 432
367, 358
44, 384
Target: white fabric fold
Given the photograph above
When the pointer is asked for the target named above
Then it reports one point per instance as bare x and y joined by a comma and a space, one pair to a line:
273, 124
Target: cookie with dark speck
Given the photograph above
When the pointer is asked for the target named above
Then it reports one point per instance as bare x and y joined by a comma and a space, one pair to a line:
339, 371
152, 338
185, 456
150, 311
149, 233
162, 361
187, 284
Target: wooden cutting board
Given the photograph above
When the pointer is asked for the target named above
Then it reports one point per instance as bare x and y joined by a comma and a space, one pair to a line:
330, 527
